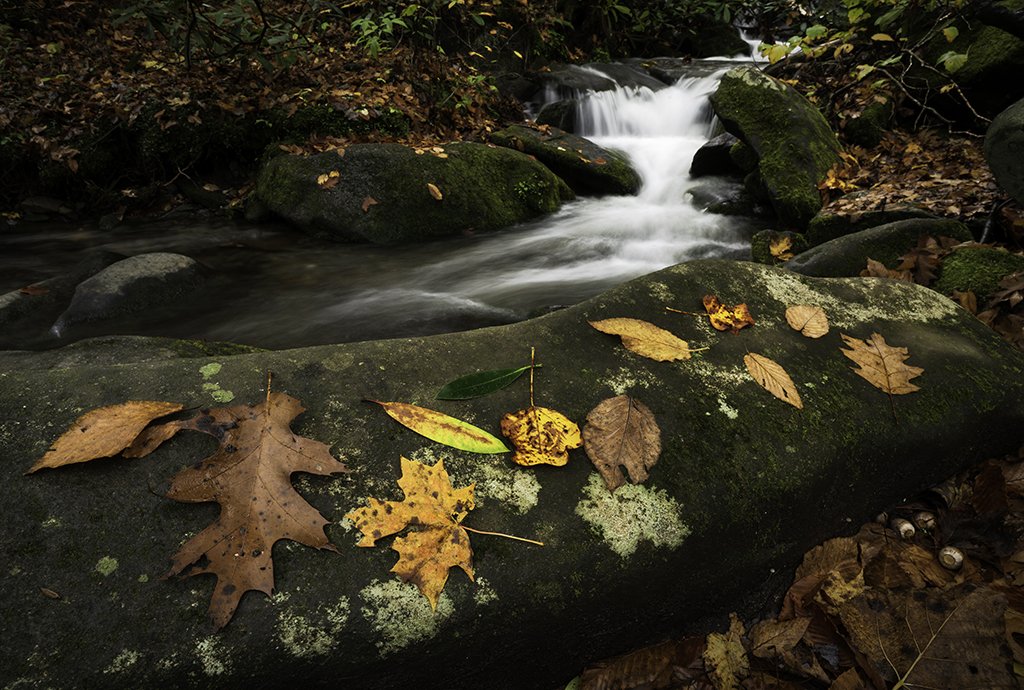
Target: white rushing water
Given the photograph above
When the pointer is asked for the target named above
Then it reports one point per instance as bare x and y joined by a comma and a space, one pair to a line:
593, 243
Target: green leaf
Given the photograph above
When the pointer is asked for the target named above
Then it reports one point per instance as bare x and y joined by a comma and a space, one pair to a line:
953, 60
442, 428
951, 32
816, 31
480, 383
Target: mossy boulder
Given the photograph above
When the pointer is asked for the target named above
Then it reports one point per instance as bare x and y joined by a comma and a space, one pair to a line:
1004, 150
744, 485
389, 193
848, 255
829, 224
978, 269
761, 245
795, 147
585, 166
991, 75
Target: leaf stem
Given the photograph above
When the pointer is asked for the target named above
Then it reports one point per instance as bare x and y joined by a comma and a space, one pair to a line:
680, 311
502, 534
533, 351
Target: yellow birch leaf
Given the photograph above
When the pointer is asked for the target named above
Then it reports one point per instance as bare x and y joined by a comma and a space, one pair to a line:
770, 375
103, 432
645, 339
542, 436
329, 180
434, 191
811, 321
442, 428
881, 364
433, 510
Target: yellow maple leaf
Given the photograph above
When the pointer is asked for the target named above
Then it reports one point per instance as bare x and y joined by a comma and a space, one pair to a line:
542, 436
781, 247
433, 510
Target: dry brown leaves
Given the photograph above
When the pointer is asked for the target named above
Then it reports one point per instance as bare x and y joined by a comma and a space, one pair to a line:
770, 375
622, 432
810, 320
881, 364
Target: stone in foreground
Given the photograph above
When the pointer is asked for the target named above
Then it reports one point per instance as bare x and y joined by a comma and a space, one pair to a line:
745, 484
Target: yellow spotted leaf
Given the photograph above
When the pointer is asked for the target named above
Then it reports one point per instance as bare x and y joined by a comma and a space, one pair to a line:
811, 321
434, 191
770, 375
781, 247
442, 428
726, 318
542, 436
103, 432
645, 339
433, 511
725, 658
329, 180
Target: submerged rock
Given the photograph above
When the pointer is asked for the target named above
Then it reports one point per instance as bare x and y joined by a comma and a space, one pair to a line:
585, 166
1004, 150
389, 193
131, 285
744, 485
795, 147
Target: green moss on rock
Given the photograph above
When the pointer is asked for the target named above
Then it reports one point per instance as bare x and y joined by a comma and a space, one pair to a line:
388, 193
827, 225
760, 245
794, 145
978, 269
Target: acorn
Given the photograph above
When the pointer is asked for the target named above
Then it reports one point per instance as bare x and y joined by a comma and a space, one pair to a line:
925, 521
905, 528
951, 558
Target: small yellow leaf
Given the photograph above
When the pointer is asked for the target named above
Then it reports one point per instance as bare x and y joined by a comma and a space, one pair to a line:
434, 191
645, 339
725, 657
811, 321
442, 428
329, 180
782, 247
103, 432
770, 375
542, 436
881, 37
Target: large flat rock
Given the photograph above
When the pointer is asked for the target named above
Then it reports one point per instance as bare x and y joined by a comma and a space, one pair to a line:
745, 484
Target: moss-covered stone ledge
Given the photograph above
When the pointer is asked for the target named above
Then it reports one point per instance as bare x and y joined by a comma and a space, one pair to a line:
390, 193
745, 484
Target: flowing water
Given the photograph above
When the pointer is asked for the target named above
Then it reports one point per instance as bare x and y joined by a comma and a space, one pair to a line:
273, 287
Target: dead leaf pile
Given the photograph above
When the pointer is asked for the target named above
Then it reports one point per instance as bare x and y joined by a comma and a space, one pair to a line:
875, 611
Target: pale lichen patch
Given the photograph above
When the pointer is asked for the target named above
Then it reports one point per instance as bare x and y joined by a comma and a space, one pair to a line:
496, 480
168, 662
660, 291
51, 521
123, 661
626, 380
726, 409
308, 637
106, 566
400, 615
210, 655
632, 514
210, 370
484, 593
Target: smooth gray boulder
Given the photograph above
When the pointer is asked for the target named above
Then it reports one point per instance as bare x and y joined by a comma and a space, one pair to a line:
131, 285
586, 167
794, 145
389, 193
713, 158
830, 223
744, 485
1004, 150
848, 255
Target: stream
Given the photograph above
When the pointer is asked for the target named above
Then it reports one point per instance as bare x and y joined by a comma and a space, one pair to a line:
274, 287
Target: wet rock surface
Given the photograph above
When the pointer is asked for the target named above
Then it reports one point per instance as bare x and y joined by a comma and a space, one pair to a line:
1004, 150
745, 484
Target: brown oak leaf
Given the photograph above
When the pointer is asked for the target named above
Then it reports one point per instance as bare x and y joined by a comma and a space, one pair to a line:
622, 432
881, 364
432, 510
249, 475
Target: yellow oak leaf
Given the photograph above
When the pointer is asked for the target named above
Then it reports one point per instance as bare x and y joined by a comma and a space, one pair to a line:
542, 436
726, 318
645, 339
433, 510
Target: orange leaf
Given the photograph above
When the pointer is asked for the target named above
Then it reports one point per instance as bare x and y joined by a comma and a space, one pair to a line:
726, 318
